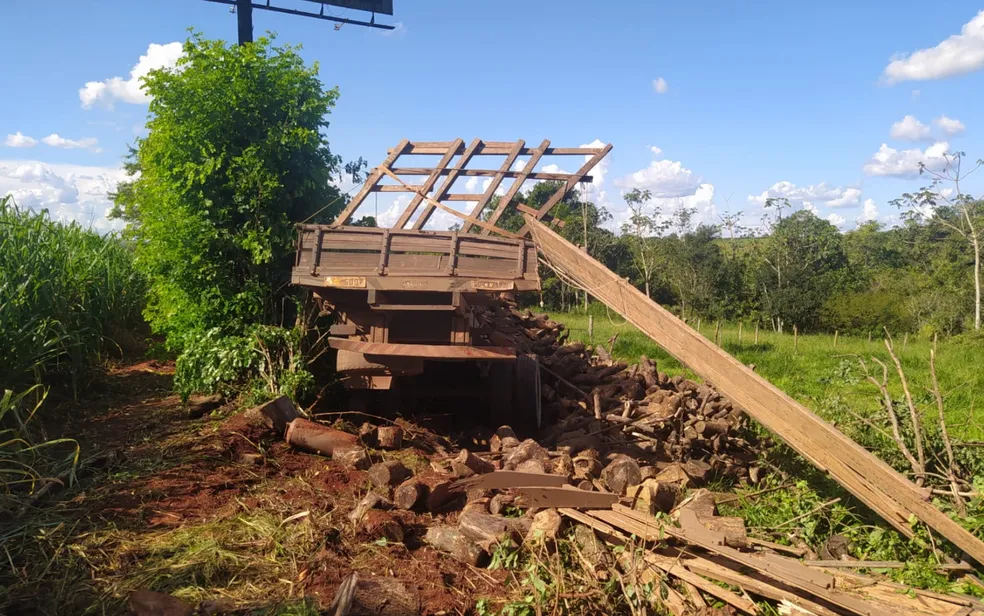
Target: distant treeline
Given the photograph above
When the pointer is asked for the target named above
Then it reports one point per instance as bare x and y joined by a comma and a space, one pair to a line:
804, 272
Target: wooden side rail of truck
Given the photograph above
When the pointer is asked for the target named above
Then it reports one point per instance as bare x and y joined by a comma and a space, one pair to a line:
404, 299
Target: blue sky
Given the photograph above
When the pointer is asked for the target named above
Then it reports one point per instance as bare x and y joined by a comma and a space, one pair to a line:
767, 98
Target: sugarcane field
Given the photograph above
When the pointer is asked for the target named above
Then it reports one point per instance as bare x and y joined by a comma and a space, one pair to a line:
275, 340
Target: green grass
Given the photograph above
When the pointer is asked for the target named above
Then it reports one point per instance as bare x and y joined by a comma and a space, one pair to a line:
824, 377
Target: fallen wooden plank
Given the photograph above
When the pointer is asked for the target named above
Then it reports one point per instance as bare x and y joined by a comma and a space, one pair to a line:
870, 479
676, 569
880, 564
542, 498
501, 480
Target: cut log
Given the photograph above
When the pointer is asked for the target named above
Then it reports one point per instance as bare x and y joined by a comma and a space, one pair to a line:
473, 463
409, 494
367, 435
732, 528
374, 596
389, 437
620, 474
351, 456
545, 528
486, 529
499, 503
526, 450
453, 541
317, 438
389, 473
275, 414
503, 439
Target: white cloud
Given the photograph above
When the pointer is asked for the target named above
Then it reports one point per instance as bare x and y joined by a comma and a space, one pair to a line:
20, 140
958, 54
836, 219
905, 163
68, 192
909, 129
57, 141
663, 178
130, 90
655, 150
869, 211
659, 85
950, 126
833, 196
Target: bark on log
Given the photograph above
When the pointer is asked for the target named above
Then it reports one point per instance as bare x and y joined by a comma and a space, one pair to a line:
472, 462
390, 473
368, 502
316, 438
487, 530
453, 541
275, 414
380, 524
351, 456
389, 437
620, 474
374, 596
409, 494
504, 438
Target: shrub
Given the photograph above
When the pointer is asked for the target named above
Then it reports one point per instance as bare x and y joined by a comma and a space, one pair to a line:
866, 311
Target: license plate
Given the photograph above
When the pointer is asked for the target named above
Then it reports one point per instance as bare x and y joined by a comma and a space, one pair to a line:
346, 282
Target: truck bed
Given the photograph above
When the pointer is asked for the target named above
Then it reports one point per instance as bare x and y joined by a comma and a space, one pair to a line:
388, 259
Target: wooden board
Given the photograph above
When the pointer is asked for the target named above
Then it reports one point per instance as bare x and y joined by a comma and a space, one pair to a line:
870, 479
423, 351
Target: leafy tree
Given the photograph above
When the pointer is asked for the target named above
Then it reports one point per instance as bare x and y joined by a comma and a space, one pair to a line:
804, 264
694, 265
943, 204
235, 155
640, 233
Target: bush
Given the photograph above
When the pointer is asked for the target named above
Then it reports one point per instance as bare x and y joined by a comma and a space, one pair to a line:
265, 362
64, 293
235, 155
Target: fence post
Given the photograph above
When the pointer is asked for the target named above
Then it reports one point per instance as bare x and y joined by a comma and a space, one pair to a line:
740, 323
795, 338
869, 337
756, 332
717, 333
905, 341
590, 329
698, 325
835, 338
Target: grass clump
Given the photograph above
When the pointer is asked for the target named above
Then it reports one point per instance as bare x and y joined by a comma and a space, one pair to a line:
65, 291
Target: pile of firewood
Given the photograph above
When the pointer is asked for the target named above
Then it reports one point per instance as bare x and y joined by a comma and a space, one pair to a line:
592, 402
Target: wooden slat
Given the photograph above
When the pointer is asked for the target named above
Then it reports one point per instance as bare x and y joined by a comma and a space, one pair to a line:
870, 479
487, 173
517, 184
557, 196
470, 219
374, 177
410, 188
421, 193
424, 351
507, 164
448, 181
495, 148
673, 567
501, 480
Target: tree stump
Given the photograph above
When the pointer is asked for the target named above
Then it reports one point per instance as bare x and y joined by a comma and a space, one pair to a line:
275, 414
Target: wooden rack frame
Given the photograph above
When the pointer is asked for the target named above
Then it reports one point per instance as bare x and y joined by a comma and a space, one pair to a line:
454, 163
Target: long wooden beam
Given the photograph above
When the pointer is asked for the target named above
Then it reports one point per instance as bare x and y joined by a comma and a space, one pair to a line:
494, 148
870, 479
507, 164
488, 173
374, 176
452, 175
578, 176
428, 185
517, 184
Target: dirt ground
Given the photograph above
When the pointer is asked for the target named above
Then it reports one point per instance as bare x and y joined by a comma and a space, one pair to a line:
176, 509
